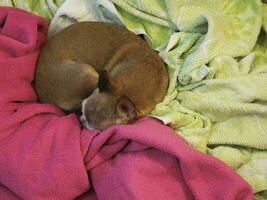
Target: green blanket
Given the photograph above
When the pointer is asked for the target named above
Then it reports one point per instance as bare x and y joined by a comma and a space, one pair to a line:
216, 53
44, 8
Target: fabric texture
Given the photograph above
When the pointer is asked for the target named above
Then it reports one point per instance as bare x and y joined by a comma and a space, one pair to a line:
72, 11
45, 154
44, 8
216, 53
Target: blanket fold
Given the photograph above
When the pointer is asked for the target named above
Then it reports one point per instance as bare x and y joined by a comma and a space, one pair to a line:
44, 8
44, 154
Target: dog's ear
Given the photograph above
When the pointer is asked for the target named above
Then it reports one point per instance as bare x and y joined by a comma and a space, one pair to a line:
126, 110
107, 83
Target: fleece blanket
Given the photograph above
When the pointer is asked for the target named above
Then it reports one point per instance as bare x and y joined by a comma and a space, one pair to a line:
44, 8
216, 53
44, 154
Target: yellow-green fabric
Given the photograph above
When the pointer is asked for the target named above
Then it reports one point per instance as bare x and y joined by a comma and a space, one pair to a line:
72, 11
44, 8
216, 52
264, 18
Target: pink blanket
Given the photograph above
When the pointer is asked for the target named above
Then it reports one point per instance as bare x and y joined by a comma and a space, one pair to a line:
44, 154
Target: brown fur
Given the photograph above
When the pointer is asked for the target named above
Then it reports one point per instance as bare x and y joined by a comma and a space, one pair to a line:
87, 54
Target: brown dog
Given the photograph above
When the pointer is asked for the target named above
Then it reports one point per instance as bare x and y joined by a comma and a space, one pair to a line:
130, 76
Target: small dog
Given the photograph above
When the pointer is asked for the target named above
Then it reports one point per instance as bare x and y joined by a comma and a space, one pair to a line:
130, 77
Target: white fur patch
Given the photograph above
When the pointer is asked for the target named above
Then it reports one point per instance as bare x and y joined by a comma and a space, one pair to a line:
83, 120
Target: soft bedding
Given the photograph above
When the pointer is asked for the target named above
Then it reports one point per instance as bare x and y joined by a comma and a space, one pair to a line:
216, 53
44, 8
44, 154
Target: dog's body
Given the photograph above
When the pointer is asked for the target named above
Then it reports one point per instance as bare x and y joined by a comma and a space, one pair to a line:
131, 77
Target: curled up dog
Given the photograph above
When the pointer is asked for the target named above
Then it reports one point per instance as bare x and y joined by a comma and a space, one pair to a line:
103, 69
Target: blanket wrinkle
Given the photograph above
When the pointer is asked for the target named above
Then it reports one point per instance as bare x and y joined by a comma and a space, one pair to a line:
190, 168
44, 8
44, 154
